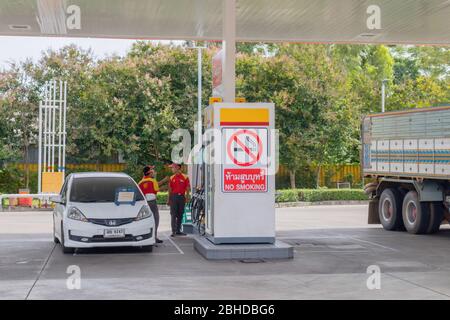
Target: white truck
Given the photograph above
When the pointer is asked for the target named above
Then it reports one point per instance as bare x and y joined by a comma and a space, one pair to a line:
406, 155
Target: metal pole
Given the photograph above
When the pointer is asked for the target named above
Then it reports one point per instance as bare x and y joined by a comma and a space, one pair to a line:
59, 124
47, 112
199, 106
64, 131
383, 94
53, 125
40, 150
45, 126
49, 115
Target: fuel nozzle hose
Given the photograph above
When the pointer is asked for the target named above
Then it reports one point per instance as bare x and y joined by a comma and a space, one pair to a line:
197, 204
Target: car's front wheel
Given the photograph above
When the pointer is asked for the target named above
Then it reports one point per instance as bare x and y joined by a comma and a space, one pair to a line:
65, 249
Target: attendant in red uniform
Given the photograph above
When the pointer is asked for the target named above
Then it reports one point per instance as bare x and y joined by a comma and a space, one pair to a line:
178, 189
150, 187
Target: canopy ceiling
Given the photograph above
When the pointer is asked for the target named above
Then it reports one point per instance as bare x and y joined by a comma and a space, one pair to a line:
402, 21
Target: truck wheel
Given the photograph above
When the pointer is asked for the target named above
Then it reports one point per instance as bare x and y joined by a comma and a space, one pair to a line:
436, 217
416, 214
390, 209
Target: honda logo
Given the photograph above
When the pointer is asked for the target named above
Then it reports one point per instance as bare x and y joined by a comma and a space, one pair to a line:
111, 222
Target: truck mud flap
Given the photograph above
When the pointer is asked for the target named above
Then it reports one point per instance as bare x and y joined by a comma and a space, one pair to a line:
373, 218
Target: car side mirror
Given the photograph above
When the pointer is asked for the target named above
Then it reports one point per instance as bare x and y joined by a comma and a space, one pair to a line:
57, 199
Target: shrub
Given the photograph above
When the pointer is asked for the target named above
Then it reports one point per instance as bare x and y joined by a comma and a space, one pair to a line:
331, 194
162, 197
11, 180
306, 195
315, 195
288, 195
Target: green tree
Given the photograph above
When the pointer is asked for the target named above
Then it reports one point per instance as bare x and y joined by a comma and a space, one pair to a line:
8, 149
19, 112
418, 93
306, 88
432, 61
136, 119
132, 104
74, 65
421, 77
364, 67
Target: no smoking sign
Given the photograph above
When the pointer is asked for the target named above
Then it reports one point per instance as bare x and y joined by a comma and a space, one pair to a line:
245, 147
245, 160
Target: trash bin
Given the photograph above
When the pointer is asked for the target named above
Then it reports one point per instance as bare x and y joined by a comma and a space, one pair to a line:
187, 225
25, 202
187, 215
12, 202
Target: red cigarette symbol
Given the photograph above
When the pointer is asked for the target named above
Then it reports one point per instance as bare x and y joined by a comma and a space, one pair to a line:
238, 140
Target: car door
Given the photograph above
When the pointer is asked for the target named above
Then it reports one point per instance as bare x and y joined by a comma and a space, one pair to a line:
58, 212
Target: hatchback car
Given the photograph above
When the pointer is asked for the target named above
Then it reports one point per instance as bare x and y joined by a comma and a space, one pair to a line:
102, 210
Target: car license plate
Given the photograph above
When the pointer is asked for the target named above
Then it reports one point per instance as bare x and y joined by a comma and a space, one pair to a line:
114, 233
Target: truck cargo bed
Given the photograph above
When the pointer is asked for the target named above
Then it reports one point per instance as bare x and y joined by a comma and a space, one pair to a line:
413, 143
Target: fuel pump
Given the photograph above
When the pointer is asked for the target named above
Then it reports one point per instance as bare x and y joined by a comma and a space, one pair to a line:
239, 186
197, 203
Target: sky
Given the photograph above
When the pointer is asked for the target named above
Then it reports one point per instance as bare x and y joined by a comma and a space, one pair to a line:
20, 48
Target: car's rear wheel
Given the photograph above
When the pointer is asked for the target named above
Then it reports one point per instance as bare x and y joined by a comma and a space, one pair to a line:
147, 248
436, 217
390, 209
65, 250
416, 214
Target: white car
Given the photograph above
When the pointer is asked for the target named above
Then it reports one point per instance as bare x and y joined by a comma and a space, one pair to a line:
102, 210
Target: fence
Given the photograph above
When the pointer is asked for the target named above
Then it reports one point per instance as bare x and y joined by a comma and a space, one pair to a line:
329, 174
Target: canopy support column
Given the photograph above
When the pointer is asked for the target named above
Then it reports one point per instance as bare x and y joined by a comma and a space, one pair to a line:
229, 50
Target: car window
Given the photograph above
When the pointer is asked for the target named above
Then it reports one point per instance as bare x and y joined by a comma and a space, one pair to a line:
101, 189
63, 192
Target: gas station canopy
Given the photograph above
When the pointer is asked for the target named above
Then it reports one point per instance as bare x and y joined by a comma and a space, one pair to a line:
347, 21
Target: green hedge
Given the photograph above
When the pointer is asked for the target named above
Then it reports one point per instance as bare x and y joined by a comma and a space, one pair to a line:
314, 195
288, 195
162, 198
294, 195
306, 195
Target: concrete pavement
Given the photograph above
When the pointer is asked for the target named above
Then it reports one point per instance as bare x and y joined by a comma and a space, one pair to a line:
334, 247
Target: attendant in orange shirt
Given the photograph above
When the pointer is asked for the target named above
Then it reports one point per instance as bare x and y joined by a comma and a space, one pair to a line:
150, 187
178, 189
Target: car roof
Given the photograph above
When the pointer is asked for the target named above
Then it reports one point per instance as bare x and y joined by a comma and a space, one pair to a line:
100, 175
